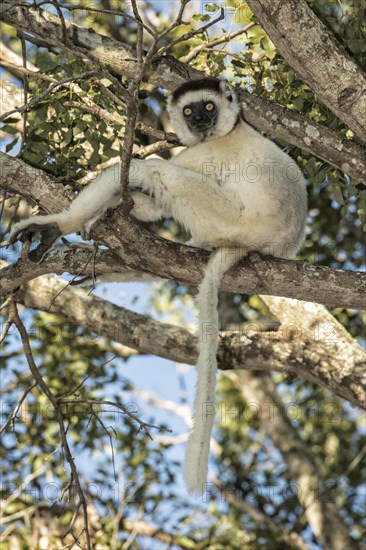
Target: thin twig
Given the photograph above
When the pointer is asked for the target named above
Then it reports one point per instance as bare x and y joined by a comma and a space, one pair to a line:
5, 331
24, 70
142, 425
109, 12
14, 495
153, 149
178, 20
62, 19
25, 92
82, 270
37, 41
11, 417
3, 200
25, 378
139, 38
143, 62
132, 111
118, 101
110, 439
77, 388
158, 134
191, 34
98, 111
223, 39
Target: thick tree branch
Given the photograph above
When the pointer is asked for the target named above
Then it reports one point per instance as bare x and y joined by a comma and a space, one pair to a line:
331, 287
309, 321
139, 250
300, 353
306, 322
306, 134
322, 62
32, 183
168, 72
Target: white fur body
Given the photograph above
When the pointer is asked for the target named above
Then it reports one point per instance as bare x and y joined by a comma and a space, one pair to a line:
234, 189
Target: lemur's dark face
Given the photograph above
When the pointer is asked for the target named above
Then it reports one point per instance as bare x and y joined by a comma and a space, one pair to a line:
200, 117
203, 110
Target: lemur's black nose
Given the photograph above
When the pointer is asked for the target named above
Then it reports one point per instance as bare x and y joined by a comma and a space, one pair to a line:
198, 117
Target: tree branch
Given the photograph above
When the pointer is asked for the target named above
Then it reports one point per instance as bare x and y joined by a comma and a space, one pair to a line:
13, 415
331, 287
221, 40
32, 183
315, 54
291, 127
309, 321
28, 105
167, 72
301, 354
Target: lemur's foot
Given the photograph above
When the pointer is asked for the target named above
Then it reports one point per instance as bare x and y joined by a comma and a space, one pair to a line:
50, 232
85, 232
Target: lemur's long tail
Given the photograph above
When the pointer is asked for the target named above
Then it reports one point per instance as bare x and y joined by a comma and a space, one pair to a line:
197, 451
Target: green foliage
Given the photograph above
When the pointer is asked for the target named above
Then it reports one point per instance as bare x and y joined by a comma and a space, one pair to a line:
134, 469
252, 469
63, 138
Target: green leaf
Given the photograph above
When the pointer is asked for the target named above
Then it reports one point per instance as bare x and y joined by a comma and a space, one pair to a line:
68, 136
238, 63
337, 192
211, 7
11, 145
10, 129
11, 120
45, 62
200, 17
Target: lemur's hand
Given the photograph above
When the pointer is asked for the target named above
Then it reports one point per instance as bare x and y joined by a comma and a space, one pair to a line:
49, 232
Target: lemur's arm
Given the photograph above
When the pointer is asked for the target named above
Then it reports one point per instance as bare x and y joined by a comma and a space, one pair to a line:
89, 206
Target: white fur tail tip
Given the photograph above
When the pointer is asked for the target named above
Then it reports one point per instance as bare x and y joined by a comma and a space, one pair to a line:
196, 465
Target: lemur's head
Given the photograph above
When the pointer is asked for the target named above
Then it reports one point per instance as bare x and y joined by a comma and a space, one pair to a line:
202, 110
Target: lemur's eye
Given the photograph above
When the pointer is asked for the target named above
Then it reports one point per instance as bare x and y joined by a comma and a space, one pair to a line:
210, 106
187, 111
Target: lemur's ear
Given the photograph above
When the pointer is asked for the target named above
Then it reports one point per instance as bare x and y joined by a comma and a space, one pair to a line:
227, 90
